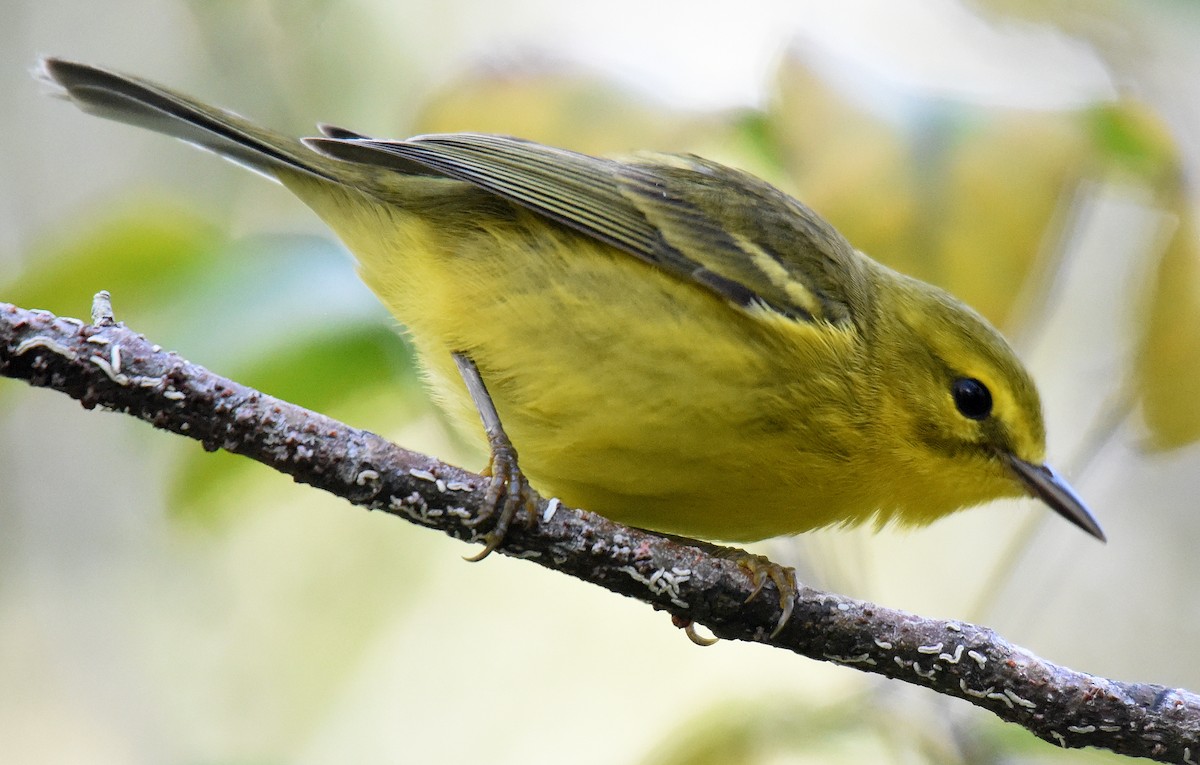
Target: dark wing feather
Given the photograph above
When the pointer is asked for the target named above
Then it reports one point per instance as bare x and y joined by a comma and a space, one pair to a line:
744, 230
723, 229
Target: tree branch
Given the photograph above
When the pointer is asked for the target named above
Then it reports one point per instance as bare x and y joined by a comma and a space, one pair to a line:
105, 364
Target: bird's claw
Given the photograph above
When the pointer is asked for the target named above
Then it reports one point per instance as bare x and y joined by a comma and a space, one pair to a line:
507, 493
762, 570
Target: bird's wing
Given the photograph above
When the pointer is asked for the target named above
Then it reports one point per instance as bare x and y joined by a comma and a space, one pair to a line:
706, 223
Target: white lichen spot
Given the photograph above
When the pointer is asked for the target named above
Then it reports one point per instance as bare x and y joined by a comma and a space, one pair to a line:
843, 606
885, 645
458, 486
114, 358
366, 475
1082, 728
970, 692
900, 662
458, 512
634, 574
958, 652
1110, 728
953, 627
78, 323
1187, 754
662, 582
174, 395
1018, 700
1001, 697
935, 648
551, 508
48, 344
108, 370
415, 507
424, 475
185, 427
525, 554
441, 485
927, 675
98, 340
979, 658
1060, 738
156, 348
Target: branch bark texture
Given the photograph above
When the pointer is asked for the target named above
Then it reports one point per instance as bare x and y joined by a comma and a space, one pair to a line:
108, 365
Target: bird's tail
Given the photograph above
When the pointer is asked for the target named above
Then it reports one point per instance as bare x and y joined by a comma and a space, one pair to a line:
138, 102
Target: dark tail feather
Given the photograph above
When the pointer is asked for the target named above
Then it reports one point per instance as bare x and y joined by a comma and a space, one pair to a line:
144, 104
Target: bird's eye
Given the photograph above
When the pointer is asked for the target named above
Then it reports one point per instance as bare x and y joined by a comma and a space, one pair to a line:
972, 398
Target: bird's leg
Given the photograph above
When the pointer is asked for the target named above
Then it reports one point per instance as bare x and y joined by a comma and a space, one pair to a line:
508, 491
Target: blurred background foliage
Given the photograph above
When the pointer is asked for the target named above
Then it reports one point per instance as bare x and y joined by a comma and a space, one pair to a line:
161, 604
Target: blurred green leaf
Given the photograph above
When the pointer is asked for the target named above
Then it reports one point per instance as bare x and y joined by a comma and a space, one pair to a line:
322, 371
266, 291
142, 250
283, 314
286, 315
326, 372
749, 732
1008, 743
1132, 137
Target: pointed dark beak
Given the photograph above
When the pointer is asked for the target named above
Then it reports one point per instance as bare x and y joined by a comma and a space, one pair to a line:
1043, 483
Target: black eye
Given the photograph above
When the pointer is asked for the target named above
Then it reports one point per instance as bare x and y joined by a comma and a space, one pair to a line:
972, 398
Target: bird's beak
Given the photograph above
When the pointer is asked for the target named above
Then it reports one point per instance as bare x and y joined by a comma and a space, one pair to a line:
1043, 483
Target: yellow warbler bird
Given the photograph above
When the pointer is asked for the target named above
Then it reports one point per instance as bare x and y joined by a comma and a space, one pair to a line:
667, 341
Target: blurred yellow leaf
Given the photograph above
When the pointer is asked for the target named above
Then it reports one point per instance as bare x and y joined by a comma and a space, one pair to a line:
1168, 367
848, 164
565, 107
960, 196
1007, 181
971, 198
874, 725
1136, 145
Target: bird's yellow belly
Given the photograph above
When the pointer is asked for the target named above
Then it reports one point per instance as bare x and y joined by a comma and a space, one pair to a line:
624, 390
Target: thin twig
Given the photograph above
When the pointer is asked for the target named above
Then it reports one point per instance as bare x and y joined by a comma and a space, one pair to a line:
113, 367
